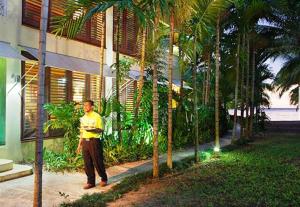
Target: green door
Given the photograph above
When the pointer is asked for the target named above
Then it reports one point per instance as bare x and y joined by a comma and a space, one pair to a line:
2, 99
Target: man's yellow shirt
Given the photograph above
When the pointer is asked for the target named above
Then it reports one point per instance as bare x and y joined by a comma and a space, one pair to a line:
90, 120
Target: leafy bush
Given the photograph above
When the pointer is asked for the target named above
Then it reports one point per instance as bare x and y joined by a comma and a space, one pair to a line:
135, 146
64, 117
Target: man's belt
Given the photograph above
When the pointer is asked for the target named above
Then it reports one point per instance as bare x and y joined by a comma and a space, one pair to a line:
88, 139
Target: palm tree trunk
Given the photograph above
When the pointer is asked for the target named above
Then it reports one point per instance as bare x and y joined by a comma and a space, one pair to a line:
118, 78
181, 72
101, 57
217, 95
155, 112
242, 86
207, 91
299, 98
38, 169
170, 91
204, 86
252, 96
141, 78
247, 86
196, 104
236, 89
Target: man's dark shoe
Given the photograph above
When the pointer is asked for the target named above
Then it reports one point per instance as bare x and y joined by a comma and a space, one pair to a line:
88, 186
103, 183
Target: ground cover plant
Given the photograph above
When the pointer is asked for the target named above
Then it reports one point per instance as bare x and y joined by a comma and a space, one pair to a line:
263, 173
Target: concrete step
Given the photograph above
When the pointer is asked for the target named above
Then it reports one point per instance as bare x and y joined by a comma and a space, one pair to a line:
6, 165
17, 172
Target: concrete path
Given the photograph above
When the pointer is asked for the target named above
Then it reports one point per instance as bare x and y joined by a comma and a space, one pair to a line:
60, 187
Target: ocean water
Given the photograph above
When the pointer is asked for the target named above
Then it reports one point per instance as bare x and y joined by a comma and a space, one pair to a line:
283, 114
279, 114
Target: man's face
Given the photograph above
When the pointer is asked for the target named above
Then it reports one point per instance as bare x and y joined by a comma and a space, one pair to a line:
87, 107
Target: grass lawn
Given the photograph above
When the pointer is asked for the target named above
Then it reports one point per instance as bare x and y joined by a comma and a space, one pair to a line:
263, 173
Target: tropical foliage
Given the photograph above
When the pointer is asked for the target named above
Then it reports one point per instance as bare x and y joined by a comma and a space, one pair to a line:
222, 47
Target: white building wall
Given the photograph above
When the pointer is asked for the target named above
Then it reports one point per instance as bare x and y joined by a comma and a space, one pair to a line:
13, 32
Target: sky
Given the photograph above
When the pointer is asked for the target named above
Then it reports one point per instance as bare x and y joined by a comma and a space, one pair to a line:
276, 101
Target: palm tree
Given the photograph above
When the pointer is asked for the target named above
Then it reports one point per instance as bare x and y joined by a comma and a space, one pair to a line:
38, 169
170, 91
236, 88
247, 84
252, 95
142, 69
118, 74
217, 95
101, 63
203, 21
155, 110
154, 9
207, 85
177, 8
286, 45
196, 128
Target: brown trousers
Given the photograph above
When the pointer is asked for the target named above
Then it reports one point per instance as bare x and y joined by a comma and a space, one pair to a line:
92, 150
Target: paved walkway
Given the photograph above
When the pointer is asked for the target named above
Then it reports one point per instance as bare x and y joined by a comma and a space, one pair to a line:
60, 187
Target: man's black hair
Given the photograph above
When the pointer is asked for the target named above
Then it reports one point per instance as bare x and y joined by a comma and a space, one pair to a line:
89, 101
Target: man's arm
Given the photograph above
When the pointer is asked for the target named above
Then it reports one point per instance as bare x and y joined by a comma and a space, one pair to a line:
79, 144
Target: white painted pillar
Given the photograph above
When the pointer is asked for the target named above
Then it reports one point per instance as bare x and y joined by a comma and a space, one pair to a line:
109, 49
10, 32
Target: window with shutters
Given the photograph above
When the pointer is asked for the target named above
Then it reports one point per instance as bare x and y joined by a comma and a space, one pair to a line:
91, 32
130, 40
127, 90
30, 84
79, 87
95, 88
31, 12
57, 93
58, 86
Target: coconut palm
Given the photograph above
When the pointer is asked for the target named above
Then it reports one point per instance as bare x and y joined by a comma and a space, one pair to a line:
176, 19
204, 19
243, 20
155, 10
236, 88
286, 44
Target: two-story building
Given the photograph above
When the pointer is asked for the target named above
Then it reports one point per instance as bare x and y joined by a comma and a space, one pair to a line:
72, 69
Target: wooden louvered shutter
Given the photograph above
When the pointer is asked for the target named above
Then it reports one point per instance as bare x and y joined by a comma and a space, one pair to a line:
130, 40
31, 13
90, 33
58, 86
79, 87
129, 103
131, 33
30, 101
127, 89
57, 94
95, 87
97, 28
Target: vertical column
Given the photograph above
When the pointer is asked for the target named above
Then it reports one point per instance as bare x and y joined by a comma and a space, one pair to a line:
2, 100
109, 49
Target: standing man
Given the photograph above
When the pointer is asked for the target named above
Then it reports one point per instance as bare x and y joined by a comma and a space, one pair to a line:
91, 128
